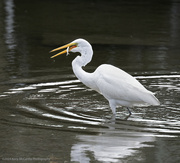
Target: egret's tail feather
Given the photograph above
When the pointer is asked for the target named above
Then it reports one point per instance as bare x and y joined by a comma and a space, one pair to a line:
153, 100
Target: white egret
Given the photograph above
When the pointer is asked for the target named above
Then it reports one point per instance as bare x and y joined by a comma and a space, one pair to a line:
117, 86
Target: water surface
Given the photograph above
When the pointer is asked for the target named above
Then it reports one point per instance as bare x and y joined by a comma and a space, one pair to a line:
47, 114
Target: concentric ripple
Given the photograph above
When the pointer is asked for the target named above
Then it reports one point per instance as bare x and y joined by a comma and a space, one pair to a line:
69, 105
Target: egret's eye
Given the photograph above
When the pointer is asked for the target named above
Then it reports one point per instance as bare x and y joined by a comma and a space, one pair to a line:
72, 47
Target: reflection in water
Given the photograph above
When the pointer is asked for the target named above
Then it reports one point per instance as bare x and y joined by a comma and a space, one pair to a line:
9, 24
109, 146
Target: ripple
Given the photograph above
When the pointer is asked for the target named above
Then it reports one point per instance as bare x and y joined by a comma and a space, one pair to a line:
69, 105
158, 76
71, 119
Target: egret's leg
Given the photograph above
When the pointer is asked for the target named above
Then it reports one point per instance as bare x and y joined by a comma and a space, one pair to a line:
113, 110
129, 111
113, 107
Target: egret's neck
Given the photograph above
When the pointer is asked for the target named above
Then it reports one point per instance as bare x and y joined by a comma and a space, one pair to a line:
84, 59
77, 64
86, 56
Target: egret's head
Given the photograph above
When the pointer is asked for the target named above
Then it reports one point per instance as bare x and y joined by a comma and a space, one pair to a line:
77, 45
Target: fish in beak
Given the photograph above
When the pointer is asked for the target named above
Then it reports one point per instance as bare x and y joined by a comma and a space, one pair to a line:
69, 47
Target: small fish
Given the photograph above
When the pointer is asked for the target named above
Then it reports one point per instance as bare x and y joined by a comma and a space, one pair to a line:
67, 51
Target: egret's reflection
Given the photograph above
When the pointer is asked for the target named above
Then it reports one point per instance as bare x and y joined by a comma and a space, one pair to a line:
111, 145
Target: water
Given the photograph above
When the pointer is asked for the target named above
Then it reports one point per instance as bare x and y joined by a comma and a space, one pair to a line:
47, 114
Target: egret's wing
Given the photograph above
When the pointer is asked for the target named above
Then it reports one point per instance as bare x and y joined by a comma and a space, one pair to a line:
115, 83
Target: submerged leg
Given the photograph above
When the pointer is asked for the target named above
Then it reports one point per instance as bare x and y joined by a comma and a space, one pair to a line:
129, 111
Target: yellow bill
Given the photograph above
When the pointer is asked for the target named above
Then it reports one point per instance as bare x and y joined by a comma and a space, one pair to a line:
68, 46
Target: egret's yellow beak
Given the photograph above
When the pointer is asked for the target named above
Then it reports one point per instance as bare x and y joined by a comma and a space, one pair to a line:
68, 46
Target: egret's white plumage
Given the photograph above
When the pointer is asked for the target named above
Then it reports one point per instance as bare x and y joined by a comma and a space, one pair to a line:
117, 86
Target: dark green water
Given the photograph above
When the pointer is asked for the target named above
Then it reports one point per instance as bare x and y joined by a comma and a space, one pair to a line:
47, 115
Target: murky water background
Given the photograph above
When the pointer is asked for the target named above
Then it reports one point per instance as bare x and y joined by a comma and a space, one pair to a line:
47, 115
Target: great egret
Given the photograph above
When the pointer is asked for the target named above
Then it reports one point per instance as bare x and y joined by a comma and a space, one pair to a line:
117, 86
